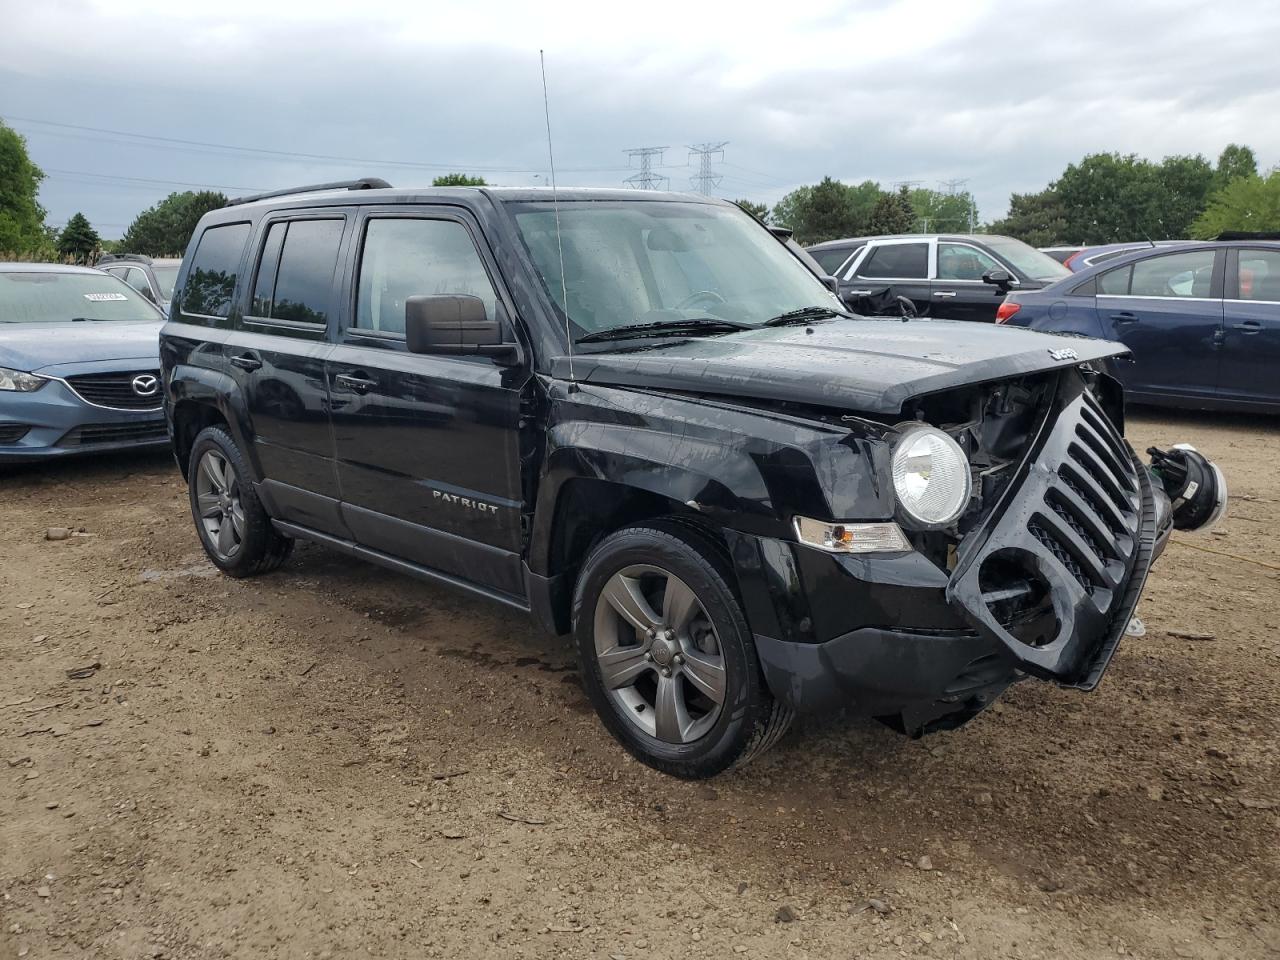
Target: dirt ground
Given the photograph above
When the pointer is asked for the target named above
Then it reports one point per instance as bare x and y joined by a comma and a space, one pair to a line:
336, 761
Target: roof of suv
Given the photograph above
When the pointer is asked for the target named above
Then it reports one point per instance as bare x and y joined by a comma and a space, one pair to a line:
345, 197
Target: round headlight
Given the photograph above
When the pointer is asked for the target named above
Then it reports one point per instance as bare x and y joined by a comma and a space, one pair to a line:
930, 476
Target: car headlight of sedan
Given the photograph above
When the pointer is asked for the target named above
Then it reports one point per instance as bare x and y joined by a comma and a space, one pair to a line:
20, 381
930, 477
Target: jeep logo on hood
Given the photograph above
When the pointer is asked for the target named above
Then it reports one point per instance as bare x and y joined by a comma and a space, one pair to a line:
1064, 353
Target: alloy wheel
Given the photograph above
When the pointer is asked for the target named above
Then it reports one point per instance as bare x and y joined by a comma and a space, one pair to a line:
218, 504
659, 656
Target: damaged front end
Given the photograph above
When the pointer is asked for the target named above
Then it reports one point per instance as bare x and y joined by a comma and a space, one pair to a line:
1055, 566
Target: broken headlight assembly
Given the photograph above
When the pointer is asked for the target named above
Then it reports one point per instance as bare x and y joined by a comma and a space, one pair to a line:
1196, 488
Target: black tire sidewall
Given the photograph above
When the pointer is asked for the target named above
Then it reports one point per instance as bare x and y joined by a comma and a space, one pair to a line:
746, 700
258, 532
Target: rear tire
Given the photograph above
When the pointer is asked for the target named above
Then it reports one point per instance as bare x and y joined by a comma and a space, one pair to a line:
667, 658
234, 529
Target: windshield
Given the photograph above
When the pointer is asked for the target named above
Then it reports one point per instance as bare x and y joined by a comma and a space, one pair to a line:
38, 297
165, 274
1026, 259
655, 262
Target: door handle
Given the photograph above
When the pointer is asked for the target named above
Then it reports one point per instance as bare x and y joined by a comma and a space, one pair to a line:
246, 361
354, 383
859, 293
1125, 317
945, 293
1248, 327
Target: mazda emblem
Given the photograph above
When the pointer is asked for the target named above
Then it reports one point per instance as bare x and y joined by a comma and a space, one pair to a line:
145, 385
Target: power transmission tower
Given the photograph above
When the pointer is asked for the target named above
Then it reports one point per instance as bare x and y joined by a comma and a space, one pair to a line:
704, 181
909, 184
953, 187
646, 179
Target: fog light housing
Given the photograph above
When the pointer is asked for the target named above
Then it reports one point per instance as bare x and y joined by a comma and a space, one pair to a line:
851, 537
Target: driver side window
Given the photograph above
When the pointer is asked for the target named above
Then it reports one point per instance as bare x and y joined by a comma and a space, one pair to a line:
959, 261
405, 258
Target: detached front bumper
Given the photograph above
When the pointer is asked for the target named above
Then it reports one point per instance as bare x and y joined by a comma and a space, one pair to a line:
1044, 587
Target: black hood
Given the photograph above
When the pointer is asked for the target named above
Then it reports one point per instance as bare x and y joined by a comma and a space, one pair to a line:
870, 366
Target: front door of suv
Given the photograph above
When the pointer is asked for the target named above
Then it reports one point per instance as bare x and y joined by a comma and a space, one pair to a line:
959, 292
902, 265
427, 445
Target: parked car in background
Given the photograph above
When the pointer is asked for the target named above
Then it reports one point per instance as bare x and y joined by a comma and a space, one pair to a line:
1076, 259
79, 363
949, 276
1201, 319
153, 278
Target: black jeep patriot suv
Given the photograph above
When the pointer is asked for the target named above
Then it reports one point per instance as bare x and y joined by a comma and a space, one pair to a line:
640, 418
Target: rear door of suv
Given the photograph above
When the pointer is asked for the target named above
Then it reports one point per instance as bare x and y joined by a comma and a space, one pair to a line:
276, 353
900, 264
427, 445
1251, 332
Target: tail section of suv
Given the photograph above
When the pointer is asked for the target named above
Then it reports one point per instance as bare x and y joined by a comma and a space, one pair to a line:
641, 419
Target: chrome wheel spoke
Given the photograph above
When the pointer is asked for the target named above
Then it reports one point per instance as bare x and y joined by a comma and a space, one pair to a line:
671, 721
624, 595
622, 666
679, 605
706, 672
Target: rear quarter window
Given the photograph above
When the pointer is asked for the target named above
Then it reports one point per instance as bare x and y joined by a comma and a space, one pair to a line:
209, 290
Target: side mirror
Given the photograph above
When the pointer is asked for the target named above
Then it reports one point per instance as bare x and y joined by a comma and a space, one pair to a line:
452, 324
999, 278
832, 284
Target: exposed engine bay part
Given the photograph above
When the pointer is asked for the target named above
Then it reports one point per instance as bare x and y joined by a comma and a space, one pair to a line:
1196, 488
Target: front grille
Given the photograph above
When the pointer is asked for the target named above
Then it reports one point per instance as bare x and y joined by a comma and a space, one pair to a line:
12, 432
1056, 575
116, 390
95, 433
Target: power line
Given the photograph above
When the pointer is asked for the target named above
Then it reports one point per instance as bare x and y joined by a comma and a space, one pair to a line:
704, 180
269, 154
65, 174
646, 179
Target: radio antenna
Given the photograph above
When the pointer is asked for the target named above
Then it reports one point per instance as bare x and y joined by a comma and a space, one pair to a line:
555, 203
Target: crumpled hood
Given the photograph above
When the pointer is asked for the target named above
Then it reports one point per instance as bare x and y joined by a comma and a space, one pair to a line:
35, 346
869, 366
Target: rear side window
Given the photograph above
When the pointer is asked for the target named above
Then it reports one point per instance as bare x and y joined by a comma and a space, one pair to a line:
830, 260
897, 261
211, 281
1115, 283
414, 258
294, 282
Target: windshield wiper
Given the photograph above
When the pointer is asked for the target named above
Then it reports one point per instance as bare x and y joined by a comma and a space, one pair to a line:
665, 328
804, 315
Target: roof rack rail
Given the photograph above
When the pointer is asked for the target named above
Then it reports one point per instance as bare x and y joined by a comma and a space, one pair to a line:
365, 183
133, 257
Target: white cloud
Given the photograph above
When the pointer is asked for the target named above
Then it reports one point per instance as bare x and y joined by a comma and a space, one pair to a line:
1003, 93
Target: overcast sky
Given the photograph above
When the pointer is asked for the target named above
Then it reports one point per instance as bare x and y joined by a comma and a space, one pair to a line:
1002, 94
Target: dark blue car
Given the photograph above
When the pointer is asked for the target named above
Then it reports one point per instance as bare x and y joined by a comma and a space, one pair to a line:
1202, 321
79, 364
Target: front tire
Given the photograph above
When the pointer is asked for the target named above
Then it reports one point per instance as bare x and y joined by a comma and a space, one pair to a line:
667, 658
234, 529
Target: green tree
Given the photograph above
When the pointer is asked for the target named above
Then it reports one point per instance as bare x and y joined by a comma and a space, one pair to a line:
166, 228
893, 213
938, 212
758, 210
828, 210
21, 217
1246, 203
1234, 162
78, 238
1035, 218
458, 180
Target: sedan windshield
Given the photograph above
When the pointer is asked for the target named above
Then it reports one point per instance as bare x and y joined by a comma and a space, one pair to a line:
663, 265
40, 297
1027, 259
